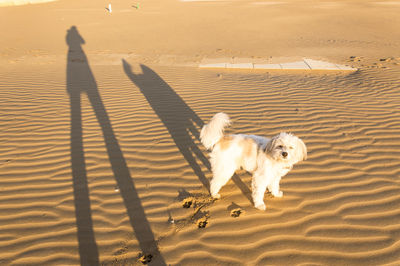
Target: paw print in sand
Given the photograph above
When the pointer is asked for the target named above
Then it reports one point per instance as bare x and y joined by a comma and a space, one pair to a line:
187, 203
202, 223
235, 210
236, 213
199, 203
145, 258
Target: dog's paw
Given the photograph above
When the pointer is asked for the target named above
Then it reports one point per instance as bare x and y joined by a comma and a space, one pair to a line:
261, 207
216, 196
279, 194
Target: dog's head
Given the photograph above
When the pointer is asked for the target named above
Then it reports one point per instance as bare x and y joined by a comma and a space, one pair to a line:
286, 147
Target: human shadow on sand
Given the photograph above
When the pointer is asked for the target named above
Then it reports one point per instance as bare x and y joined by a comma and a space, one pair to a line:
179, 119
80, 81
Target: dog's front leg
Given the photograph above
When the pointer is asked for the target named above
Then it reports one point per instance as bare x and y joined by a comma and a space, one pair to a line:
259, 186
275, 189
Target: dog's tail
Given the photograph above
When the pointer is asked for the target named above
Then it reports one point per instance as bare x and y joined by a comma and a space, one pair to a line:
212, 132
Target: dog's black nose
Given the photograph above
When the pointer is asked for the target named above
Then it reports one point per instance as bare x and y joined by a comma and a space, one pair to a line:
284, 154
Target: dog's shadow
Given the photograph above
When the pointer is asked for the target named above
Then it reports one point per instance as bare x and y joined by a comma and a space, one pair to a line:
180, 120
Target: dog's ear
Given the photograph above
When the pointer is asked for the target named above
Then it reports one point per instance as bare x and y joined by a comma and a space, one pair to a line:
301, 150
271, 145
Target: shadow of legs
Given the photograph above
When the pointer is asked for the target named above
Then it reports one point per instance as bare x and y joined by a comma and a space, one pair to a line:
135, 210
87, 244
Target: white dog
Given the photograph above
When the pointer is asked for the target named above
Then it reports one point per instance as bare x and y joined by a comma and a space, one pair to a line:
267, 159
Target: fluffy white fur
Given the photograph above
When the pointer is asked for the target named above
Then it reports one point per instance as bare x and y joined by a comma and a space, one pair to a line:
267, 159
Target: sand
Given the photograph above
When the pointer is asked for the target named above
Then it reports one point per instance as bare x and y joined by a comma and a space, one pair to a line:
100, 115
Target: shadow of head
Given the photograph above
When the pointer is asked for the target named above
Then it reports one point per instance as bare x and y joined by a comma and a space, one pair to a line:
74, 39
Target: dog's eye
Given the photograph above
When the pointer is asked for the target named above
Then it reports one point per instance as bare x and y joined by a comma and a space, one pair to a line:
291, 147
280, 147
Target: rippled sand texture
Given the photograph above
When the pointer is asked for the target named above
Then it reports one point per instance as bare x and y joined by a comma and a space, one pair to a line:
108, 169
100, 114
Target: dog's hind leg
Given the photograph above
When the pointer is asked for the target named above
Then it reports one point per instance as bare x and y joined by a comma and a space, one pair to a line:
221, 176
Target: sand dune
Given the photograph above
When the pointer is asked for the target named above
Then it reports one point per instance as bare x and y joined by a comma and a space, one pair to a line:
100, 158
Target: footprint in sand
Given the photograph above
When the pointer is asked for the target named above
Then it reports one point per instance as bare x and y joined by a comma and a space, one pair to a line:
355, 58
235, 210
236, 213
145, 258
187, 203
202, 223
